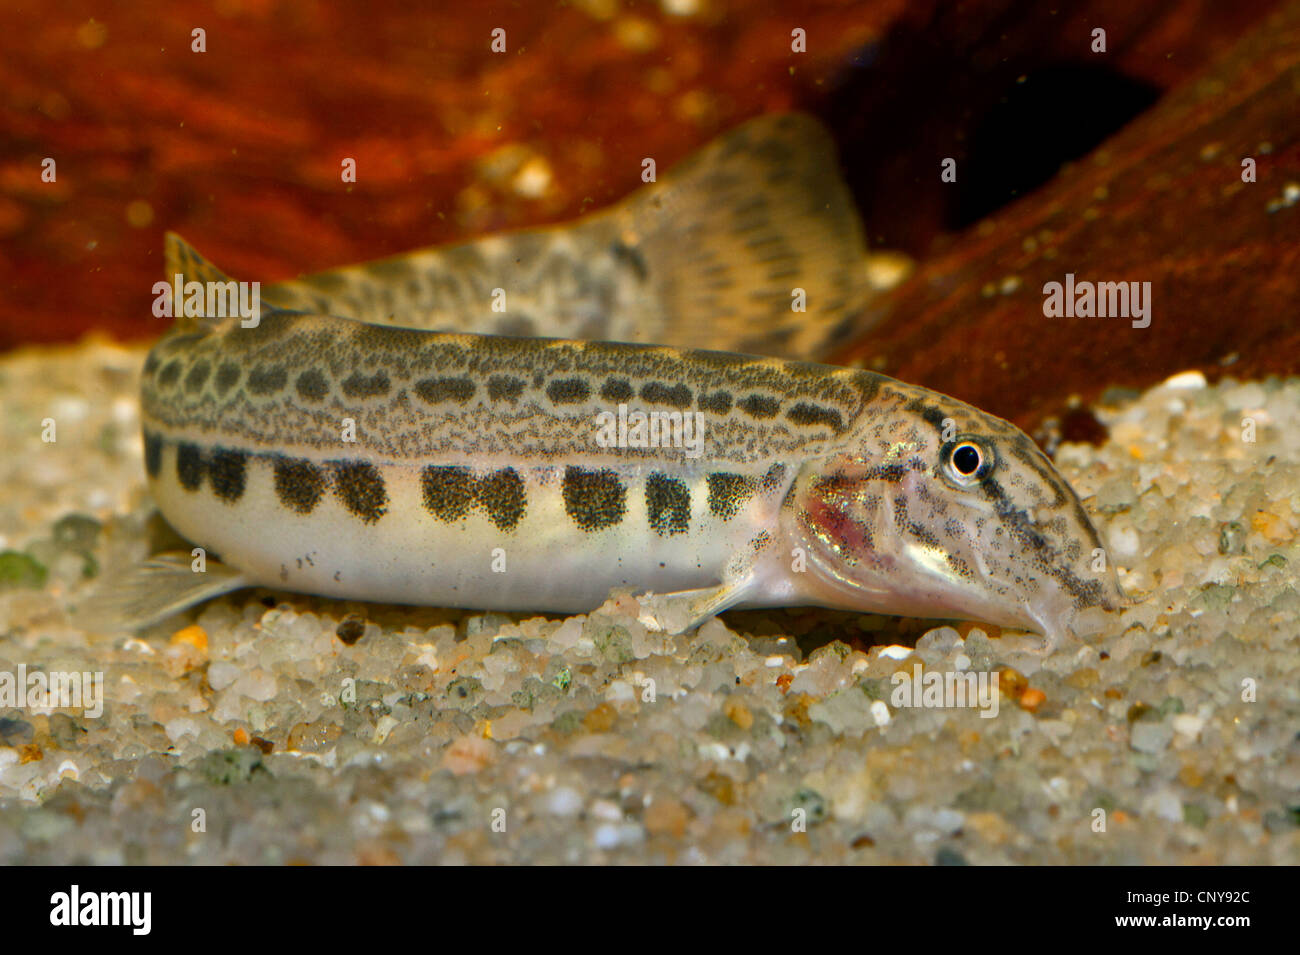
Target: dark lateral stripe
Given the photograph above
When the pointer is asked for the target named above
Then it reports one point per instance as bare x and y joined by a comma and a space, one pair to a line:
503, 497
759, 406
266, 381
719, 402
358, 385
227, 473
568, 391
153, 445
227, 377
170, 374
390, 270
593, 499
435, 390
668, 502
387, 338
616, 389
657, 393
360, 487
807, 414
189, 465
505, 388
728, 493
299, 484
312, 384
197, 376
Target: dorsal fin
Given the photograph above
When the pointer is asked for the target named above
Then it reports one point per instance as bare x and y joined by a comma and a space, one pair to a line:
181, 258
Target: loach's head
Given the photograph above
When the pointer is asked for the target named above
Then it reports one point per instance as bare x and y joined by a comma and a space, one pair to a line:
936, 509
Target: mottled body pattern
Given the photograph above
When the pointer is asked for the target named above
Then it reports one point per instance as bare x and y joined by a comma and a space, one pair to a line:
342, 452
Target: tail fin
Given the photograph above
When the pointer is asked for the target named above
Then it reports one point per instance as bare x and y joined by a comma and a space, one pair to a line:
154, 590
730, 235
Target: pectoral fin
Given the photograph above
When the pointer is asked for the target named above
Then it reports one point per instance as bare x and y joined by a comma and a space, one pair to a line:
154, 590
680, 611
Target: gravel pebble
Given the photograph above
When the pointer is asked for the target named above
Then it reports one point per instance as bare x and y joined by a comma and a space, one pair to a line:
336, 732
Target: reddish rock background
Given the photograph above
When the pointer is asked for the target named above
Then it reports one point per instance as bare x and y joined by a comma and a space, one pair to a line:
239, 149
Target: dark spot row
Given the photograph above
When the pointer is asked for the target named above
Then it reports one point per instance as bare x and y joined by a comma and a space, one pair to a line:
594, 499
312, 385
224, 469
597, 499
450, 493
299, 483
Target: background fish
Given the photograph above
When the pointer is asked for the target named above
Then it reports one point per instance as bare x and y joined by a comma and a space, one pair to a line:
707, 257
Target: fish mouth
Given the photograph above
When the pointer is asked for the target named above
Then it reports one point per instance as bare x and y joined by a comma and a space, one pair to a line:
1055, 626
919, 596
1062, 619
903, 585
875, 561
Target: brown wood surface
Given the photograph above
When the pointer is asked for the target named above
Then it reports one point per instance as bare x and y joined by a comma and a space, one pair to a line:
1163, 202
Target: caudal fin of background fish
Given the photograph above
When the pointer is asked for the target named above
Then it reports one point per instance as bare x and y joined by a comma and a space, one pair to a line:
752, 244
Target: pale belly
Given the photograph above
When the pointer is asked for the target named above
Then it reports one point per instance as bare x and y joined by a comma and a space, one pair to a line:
408, 555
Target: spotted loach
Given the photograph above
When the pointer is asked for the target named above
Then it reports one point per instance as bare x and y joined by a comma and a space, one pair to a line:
364, 440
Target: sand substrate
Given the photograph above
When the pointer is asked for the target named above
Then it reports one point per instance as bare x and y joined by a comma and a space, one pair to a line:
272, 728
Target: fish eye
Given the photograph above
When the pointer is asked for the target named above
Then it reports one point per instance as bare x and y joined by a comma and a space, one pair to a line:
966, 459
967, 462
